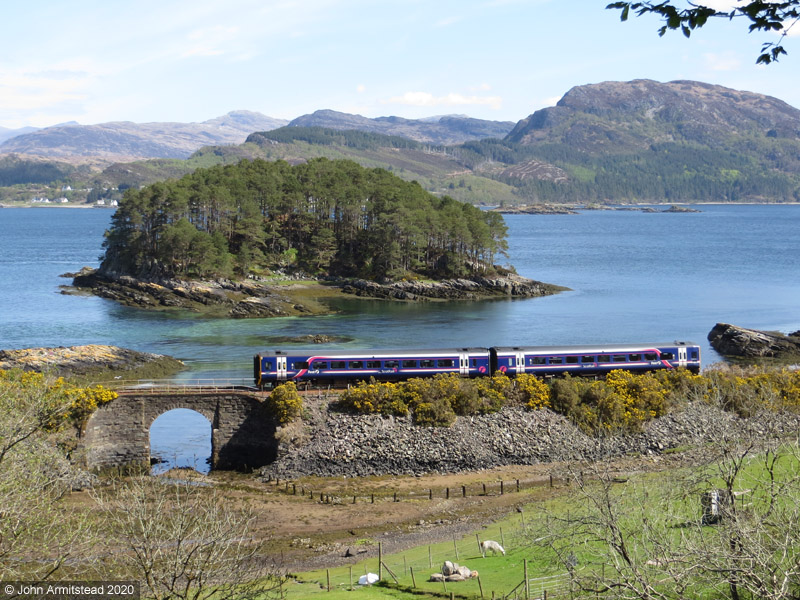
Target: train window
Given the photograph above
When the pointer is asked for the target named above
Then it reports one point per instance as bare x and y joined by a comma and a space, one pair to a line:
299, 365
620, 358
634, 357
693, 354
556, 360
474, 362
356, 364
587, 359
538, 360
266, 365
650, 356
338, 364
391, 364
373, 364
572, 360
427, 363
319, 364
409, 364
667, 356
445, 362
603, 358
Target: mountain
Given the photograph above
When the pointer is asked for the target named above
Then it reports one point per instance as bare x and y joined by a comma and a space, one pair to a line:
127, 140
441, 130
615, 116
7, 134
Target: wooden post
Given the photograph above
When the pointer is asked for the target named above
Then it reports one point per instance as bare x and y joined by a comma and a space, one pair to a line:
395, 496
478, 539
405, 565
455, 546
413, 580
452, 596
328, 577
430, 494
287, 487
502, 539
351, 578
354, 499
430, 558
484, 489
480, 585
294, 489
517, 484
501, 487
527, 583
447, 494
551, 480
380, 561
372, 498
310, 494
463, 491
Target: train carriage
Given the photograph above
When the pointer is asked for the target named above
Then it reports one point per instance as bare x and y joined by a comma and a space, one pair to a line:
596, 360
344, 366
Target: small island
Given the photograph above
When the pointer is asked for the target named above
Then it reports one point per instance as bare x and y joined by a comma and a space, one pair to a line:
262, 239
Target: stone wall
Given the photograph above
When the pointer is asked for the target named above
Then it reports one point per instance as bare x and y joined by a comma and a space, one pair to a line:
118, 434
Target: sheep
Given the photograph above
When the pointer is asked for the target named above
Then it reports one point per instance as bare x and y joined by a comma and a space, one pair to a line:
493, 546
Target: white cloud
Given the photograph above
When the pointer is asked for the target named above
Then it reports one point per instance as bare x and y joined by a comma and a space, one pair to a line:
451, 99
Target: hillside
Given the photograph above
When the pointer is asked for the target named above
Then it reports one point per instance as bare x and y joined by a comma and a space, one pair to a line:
126, 141
444, 130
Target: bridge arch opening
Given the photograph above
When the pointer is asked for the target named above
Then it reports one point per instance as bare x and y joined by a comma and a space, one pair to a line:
180, 438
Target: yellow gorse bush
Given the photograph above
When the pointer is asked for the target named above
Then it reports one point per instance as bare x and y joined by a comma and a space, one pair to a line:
285, 403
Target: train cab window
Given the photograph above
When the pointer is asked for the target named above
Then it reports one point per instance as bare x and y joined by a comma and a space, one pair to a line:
634, 357
266, 365
391, 364
556, 360
319, 364
338, 364
693, 354
299, 365
427, 363
572, 360
667, 356
356, 364
373, 364
587, 359
409, 364
650, 356
603, 358
620, 358
445, 362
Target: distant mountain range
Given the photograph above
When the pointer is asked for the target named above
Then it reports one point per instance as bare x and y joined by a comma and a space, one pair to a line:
614, 141
6, 133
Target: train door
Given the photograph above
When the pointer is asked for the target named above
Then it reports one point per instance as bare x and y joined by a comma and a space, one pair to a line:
520, 360
463, 364
682, 358
280, 366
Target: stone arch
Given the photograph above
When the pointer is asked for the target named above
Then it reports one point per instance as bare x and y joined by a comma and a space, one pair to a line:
117, 435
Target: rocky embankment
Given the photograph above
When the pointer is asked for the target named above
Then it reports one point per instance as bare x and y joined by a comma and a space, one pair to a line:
236, 299
476, 288
91, 360
732, 341
335, 444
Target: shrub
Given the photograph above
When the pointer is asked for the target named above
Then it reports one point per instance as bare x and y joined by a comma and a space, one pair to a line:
285, 403
534, 392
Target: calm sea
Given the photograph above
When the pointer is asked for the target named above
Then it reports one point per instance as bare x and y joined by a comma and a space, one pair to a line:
634, 277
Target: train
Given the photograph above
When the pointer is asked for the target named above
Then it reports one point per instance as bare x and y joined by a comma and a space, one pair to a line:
342, 367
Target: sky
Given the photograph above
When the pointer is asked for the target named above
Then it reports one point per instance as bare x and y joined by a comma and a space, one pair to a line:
192, 60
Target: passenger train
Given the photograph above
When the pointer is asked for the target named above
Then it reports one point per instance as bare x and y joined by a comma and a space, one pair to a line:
348, 366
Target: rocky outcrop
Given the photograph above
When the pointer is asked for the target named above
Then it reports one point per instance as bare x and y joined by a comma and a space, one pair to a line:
83, 360
337, 444
732, 341
476, 288
236, 299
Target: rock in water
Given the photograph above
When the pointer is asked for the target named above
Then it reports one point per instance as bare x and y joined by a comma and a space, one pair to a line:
730, 340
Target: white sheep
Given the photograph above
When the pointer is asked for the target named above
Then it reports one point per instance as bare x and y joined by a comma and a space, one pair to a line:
493, 546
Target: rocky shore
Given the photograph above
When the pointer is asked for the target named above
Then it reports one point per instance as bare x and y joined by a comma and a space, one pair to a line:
94, 361
476, 288
335, 444
738, 342
253, 299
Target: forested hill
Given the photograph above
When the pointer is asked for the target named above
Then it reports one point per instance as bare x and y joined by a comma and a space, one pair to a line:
325, 216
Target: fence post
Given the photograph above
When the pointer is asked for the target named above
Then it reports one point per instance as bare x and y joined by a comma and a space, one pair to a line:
463, 491
517, 484
478, 539
413, 580
527, 583
502, 539
484, 489
430, 558
430, 494
447, 495
501, 487
380, 561
328, 577
395, 496
480, 585
455, 546
351, 578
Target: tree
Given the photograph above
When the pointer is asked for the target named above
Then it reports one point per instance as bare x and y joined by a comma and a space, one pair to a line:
186, 542
763, 15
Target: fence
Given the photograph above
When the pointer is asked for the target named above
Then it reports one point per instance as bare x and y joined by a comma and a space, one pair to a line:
171, 386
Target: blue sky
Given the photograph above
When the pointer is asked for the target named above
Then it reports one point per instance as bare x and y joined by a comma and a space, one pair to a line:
192, 60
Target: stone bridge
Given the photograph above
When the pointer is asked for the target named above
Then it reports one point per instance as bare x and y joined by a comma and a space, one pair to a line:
117, 435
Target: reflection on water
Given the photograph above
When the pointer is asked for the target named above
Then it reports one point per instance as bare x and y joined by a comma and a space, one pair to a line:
180, 438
